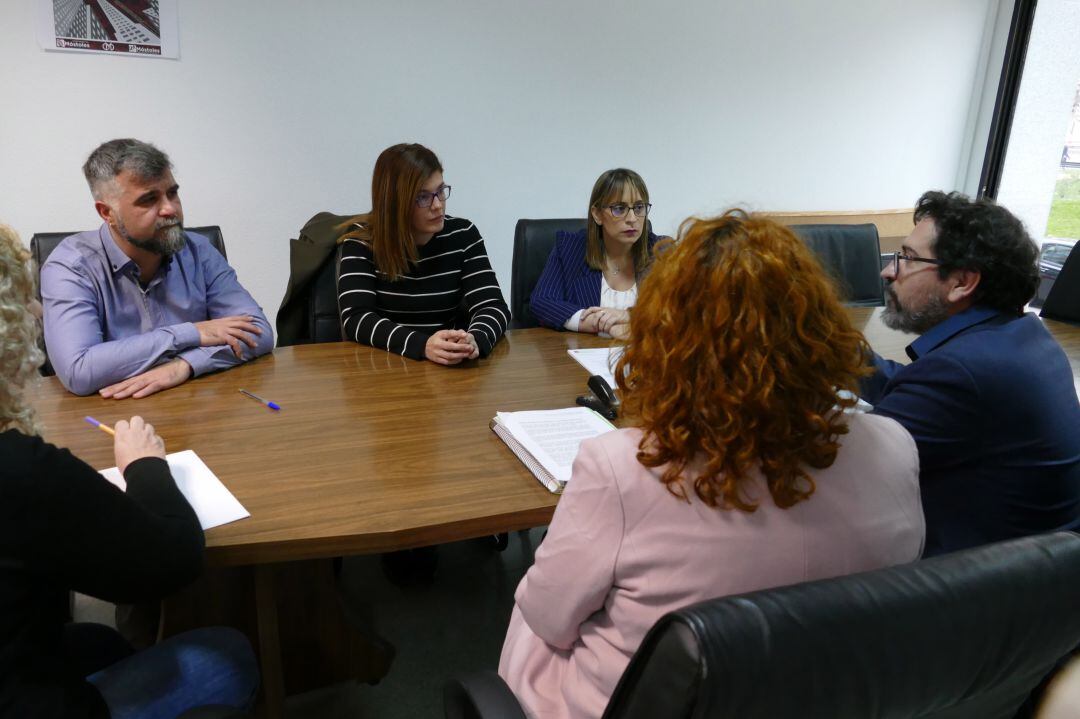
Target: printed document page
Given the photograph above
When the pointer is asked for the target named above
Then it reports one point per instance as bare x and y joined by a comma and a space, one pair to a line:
212, 501
600, 360
552, 436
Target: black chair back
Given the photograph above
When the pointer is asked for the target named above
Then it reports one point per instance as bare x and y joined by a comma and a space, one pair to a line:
533, 240
323, 314
852, 255
1063, 301
967, 635
41, 246
43, 243
212, 233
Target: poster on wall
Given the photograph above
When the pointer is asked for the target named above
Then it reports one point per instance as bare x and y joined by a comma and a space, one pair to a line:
114, 27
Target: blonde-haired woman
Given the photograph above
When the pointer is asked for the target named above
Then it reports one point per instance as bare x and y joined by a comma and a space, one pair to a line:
590, 281
744, 469
63, 527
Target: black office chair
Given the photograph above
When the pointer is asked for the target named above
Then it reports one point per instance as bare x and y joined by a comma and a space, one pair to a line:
967, 635
533, 240
852, 255
212, 233
309, 313
43, 243
324, 316
1063, 301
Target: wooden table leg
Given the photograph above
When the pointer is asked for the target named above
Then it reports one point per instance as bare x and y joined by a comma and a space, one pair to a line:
320, 646
293, 616
266, 609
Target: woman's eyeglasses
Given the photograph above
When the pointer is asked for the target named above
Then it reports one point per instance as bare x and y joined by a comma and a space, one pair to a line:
424, 199
618, 209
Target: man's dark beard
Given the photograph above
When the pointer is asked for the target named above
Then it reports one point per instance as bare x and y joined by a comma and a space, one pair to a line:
167, 240
917, 322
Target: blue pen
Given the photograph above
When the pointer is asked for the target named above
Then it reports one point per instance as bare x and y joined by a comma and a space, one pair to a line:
272, 405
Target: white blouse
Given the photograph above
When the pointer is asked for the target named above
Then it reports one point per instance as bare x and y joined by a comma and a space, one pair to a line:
615, 299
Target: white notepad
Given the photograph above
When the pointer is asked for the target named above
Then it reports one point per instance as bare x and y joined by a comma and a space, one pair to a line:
212, 501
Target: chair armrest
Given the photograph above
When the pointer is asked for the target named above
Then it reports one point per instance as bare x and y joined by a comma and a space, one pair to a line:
481, 695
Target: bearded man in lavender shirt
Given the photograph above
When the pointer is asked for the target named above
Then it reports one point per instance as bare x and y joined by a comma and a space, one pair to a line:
140, 305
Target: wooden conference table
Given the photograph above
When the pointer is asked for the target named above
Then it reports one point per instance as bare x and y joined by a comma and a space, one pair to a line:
371, 452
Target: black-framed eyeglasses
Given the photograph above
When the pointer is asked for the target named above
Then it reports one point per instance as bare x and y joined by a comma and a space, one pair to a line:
424, 199
618, 209
901, 255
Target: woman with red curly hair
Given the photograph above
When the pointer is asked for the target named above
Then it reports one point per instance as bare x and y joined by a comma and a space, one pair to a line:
744, 469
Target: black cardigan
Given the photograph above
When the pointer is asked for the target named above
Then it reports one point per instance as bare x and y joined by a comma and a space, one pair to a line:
63, 527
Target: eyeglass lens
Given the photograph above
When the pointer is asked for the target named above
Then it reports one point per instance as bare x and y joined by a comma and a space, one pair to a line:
424, 199
641, 209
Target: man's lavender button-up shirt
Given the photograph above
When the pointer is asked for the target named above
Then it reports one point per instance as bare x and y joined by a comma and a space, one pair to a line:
102, 326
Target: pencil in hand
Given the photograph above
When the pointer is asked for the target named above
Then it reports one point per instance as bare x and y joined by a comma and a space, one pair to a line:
103, 427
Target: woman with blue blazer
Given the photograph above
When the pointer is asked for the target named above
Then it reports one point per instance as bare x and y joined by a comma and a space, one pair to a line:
590, 281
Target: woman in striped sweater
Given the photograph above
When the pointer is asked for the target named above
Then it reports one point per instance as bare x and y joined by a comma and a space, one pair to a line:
590, 281
413, 280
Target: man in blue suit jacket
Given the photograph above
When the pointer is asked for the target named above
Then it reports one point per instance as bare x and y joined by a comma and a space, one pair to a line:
989, 395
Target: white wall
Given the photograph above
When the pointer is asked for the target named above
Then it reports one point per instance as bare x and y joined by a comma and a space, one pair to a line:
277, 109
1043, 111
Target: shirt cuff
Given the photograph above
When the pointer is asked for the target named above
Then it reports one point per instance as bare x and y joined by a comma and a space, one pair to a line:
201, 359
483, 341
415, 344
574, 322
186, 335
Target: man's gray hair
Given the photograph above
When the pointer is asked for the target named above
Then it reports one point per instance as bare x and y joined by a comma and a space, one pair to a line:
141, 159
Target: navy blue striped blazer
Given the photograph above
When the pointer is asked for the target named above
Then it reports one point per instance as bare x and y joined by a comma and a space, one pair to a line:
567, 283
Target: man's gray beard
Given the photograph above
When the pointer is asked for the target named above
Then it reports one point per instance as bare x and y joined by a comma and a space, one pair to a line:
167, 240
896, 317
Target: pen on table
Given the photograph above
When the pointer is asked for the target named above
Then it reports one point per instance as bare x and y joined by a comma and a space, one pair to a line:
103, 427
268, 403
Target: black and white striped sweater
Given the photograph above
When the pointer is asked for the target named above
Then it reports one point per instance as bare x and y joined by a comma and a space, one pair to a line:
451, 286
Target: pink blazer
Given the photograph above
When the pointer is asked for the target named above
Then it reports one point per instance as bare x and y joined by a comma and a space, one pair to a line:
622, 551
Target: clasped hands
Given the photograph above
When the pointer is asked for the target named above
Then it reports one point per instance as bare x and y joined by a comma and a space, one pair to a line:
451, 347
607, 320
231, 331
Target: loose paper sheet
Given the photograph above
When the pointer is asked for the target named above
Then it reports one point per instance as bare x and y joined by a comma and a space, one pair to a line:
598, 361
553, 436
861, 405
212, 501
